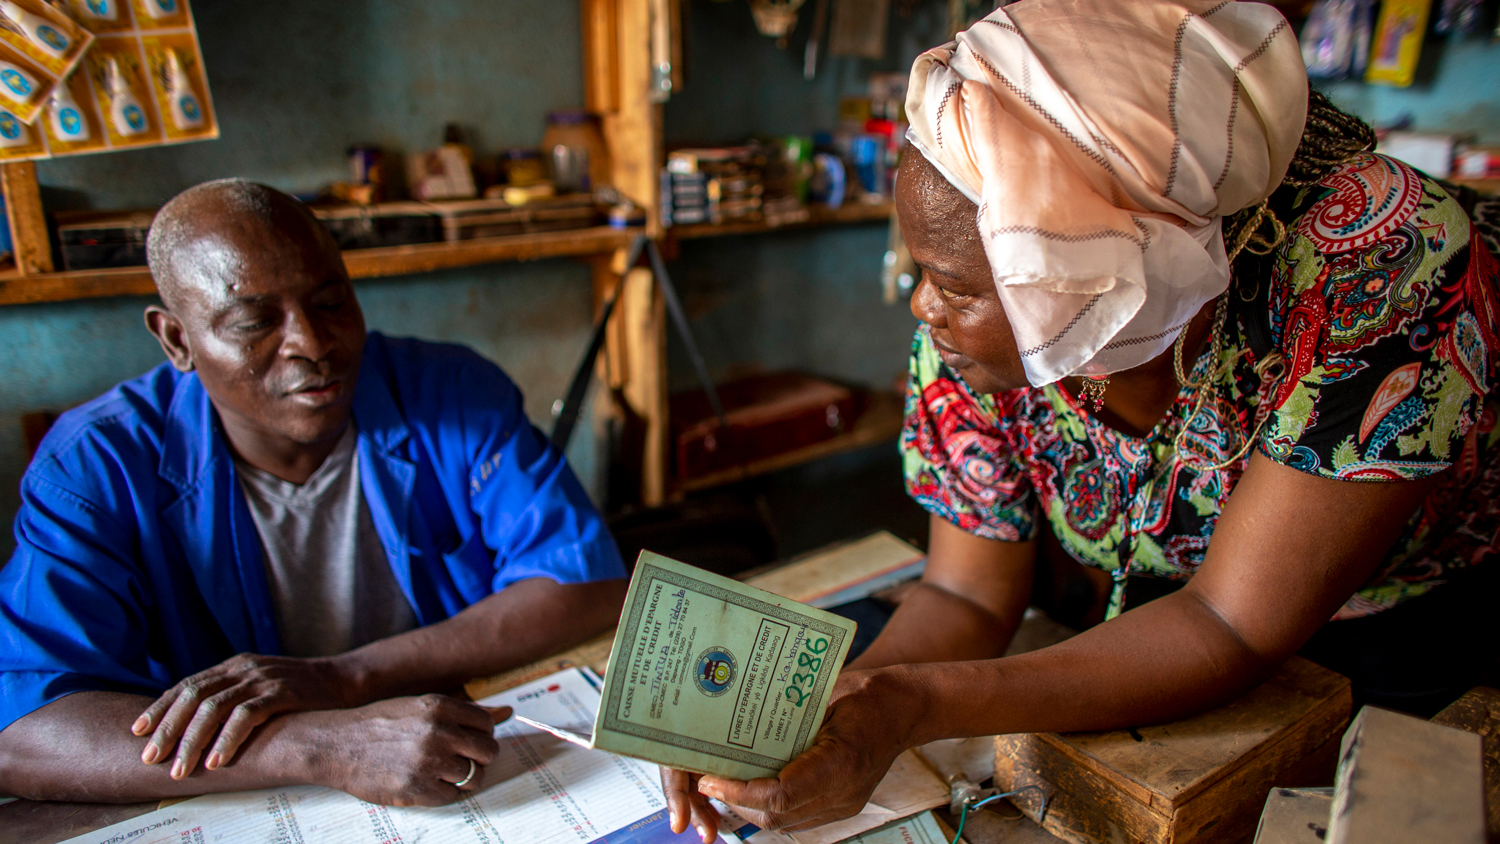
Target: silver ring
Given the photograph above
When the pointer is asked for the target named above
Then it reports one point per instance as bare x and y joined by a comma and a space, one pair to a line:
473, 769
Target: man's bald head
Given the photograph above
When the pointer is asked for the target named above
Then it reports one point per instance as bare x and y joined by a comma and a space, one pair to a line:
259, 306
193, 239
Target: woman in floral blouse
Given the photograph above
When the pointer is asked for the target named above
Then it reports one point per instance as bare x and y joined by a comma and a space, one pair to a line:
1175, 313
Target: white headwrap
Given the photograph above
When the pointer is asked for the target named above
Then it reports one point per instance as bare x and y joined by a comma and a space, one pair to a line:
1103, 140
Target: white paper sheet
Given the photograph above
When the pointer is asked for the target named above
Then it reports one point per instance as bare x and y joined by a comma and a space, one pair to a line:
540, 790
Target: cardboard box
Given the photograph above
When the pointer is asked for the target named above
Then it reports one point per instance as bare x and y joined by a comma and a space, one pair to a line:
1404, 779
1295, 816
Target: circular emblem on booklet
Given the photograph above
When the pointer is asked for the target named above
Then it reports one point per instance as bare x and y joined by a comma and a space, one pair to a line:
715, 672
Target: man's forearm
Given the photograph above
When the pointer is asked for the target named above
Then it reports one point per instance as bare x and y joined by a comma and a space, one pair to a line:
80, 748
522, 623
1168, 659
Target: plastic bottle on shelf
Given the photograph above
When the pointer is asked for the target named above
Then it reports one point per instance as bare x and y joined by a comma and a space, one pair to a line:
125, 110
65, 117
583, 158
100, 10
13, 133
159, 9
16, 84
182, 101
37, 29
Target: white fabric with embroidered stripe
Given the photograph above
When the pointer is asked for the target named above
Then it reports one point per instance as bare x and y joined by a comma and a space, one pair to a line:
1102, 143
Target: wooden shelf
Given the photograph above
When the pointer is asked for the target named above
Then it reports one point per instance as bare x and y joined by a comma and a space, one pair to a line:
854, 212
426, 257
16, 289
880, 422
1486, 186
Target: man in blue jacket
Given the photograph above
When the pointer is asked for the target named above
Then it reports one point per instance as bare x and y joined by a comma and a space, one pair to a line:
260, 563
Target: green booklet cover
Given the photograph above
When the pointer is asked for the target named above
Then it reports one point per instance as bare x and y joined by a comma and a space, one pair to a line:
713, 676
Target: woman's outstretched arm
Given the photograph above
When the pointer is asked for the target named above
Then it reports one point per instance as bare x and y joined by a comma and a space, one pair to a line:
1288, 551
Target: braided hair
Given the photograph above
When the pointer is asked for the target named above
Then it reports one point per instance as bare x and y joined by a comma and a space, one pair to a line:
1331, 137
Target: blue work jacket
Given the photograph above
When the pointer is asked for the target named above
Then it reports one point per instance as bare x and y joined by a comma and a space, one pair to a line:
138, 563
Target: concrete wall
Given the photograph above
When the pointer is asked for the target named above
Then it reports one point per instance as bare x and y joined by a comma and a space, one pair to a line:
295, 84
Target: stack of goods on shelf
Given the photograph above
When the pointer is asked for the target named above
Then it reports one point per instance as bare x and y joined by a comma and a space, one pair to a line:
475, 218
96, 240
713, 185
871, 131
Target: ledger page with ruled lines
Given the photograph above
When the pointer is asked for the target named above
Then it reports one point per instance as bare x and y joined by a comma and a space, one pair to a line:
539, 790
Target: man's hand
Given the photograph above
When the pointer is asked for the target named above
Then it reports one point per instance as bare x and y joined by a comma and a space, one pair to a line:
232, 699
406, 751
832, 780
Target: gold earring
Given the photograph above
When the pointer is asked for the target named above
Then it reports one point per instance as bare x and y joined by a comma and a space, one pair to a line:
1093, 390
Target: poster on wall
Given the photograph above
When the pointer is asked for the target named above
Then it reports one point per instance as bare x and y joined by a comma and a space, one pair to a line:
140, 82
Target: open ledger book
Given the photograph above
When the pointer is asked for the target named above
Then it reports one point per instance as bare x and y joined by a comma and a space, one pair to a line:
539, 790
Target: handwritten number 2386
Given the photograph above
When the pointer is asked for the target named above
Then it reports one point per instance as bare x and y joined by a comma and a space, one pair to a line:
794, 693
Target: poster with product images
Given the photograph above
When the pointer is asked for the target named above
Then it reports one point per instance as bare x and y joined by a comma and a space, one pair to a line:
39, 46
141, 82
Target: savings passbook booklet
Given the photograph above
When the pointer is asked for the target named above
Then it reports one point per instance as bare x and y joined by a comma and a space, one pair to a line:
713, 676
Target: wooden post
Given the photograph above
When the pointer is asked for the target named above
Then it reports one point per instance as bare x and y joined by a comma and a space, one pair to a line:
643, 323
617, 80
601, 39
28, 223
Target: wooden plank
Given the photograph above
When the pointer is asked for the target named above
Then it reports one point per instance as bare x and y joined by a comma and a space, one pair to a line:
880, 422
16, 289
601, 55
28, 223
854, 212
801, 580
591, 654
998, 823
84, 284
1082, 808
426, 257
41, 822
1479, 712
832, 570
1404, 779
633, 130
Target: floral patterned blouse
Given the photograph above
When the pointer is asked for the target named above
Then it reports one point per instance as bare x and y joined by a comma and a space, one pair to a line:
1363, 349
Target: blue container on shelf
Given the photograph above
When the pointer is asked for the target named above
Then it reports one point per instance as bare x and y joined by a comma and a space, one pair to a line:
6, 247
869, 162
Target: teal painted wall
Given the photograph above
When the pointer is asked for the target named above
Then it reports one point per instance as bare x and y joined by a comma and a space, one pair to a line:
805, 300
1457, 90
295, 84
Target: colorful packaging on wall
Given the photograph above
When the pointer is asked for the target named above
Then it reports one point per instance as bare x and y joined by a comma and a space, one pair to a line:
1398, 42
1336, 39
39, 47
141, 83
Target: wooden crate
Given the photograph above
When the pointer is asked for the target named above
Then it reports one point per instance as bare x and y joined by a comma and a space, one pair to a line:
1201, 779
1479, 713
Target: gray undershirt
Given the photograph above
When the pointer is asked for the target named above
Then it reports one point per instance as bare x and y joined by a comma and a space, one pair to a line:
331, 584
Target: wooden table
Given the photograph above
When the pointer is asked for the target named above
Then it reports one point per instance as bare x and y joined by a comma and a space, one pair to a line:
818, 574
